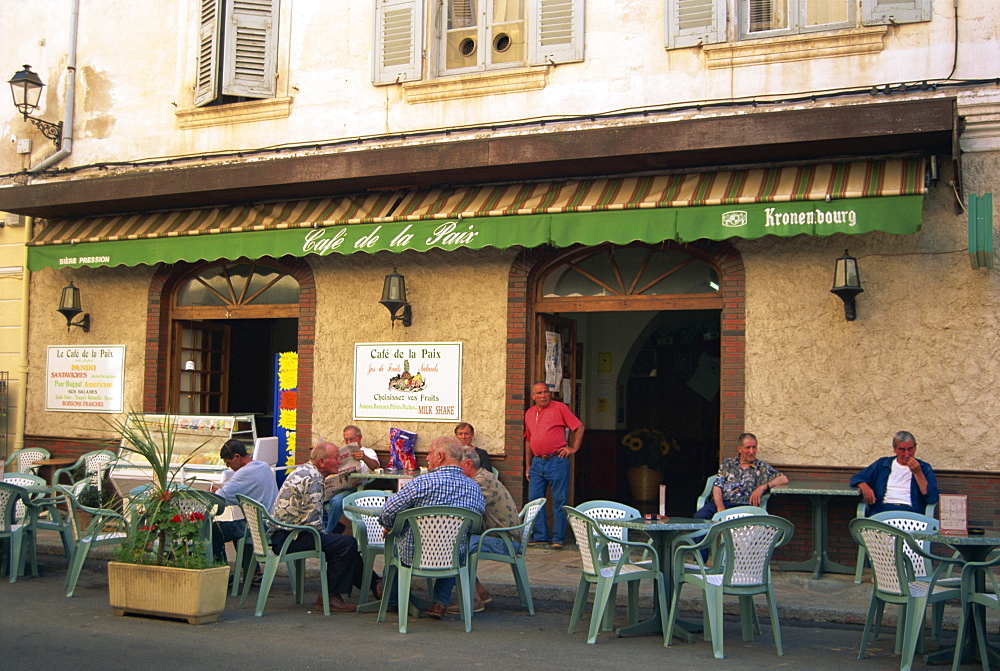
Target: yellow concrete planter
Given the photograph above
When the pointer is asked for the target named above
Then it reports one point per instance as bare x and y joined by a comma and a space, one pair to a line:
195, 595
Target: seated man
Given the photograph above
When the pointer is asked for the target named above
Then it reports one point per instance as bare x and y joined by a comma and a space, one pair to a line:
466, 433
742, 480
250, 478
898, 483
366, 460
444, 485
300, 501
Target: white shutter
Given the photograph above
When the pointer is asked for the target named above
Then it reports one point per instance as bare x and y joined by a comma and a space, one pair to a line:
399, 26
693, 22
882, 12
250, 56
556, 31
206, 87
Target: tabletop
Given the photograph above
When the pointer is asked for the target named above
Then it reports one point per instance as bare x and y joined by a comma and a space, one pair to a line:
55, 461
991, 537
817, 489
382, 473
668, 524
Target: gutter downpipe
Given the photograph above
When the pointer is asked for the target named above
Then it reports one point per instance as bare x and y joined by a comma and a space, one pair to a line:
22, 367
66, 146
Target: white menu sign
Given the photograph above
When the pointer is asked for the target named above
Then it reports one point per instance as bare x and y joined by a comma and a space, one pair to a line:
85, 379
414, 381
954, 513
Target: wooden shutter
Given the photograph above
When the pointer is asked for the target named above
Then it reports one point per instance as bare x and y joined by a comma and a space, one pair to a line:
693, 22
882, 12
556, 31
206, 88
399, 26
250, 52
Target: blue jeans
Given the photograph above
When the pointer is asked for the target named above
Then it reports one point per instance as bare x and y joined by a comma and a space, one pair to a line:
335, 509
554, 473
444, 586
222, 533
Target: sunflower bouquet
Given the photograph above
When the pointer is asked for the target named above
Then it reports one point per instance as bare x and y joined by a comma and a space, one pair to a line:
648, 447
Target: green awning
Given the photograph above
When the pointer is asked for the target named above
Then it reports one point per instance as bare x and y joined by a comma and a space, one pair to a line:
814, 200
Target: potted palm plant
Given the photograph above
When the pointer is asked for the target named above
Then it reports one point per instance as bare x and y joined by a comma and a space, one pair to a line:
162, 568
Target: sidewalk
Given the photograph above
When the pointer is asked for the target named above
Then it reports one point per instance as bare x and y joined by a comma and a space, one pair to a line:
554, 575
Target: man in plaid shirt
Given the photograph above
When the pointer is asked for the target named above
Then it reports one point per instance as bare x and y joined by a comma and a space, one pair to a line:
445, 485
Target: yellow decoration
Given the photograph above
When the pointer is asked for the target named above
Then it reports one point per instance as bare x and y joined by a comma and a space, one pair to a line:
290, 443
286, 419
288, 370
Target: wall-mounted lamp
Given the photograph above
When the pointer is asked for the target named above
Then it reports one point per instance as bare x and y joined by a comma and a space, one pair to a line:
69, 306
394, 298
847, 283
26, 87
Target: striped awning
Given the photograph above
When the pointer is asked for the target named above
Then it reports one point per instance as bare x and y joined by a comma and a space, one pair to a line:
818, 199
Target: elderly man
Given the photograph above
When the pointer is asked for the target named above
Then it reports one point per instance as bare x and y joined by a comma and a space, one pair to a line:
300, 501
548, 452
249, 478
500, 512
900, 482
466, 433
742, 480
367, 461
444, 485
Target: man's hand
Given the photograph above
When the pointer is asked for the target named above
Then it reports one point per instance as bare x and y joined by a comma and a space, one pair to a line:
913, 465
866, 493
756, 495
565, 451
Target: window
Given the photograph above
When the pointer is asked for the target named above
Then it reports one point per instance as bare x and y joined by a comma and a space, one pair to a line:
237, 51
695, 22
475, 35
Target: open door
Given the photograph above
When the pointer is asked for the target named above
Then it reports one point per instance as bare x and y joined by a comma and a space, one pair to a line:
200, 368
556, 364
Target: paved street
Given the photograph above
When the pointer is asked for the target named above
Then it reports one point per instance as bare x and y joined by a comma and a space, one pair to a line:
41, 629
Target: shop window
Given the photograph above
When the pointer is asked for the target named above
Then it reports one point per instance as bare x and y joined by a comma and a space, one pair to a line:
252, 289
237, 51
474, 36
631, 271
696, 22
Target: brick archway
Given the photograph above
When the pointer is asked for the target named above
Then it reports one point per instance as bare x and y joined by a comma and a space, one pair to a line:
520, 319
155, 388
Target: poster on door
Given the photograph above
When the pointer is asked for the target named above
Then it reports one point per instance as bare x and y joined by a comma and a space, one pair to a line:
85, 379
419, 382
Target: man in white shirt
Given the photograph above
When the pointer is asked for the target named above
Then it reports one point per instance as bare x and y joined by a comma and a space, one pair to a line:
898, 483
368, 461
251, 478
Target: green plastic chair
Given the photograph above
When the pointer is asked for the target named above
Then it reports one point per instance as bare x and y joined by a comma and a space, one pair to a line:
896, 582
27, 512
440, 549
23, 460
190, 500
971, 598
257, 520
369, 534
862, 513
15, 529
600, 511
92, 535
95, 464
742, 568
600, 569
514, 556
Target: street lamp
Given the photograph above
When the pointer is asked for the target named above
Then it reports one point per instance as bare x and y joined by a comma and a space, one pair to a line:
26, 87
394, 298
69, 306
847, 283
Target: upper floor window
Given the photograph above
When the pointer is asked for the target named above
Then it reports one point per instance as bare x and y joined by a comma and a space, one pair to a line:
473, 36
237, 51
693, 22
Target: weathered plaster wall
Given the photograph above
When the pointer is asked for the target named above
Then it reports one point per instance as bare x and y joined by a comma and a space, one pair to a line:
116, 301
458, 296
923, 355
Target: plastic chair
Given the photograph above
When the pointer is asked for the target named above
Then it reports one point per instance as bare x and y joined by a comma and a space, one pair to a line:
598, 568
94, 464
440, 537
742, 568
15, 529
862, 513
514, 556
369, 534
23, 461
895, 582
89, 536
208, 504
971, 597
257, 520
610, 510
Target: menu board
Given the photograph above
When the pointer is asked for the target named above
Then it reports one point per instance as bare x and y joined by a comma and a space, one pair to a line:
418, 382
85, 379
954, 514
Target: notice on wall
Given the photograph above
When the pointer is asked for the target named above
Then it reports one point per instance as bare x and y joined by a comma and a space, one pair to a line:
85, 379
419, 382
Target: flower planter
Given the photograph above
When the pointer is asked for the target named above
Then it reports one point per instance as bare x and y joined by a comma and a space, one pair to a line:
644, 483
195, 595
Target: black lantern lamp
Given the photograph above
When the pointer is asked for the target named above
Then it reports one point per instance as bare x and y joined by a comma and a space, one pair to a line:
26, 87
69, 306
394, 298
847, 283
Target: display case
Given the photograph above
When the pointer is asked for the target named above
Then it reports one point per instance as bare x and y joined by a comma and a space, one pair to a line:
197, 439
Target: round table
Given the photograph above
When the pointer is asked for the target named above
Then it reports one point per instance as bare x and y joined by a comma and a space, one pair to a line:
48, 467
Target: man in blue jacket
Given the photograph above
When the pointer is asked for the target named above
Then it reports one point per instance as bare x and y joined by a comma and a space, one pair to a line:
898, 483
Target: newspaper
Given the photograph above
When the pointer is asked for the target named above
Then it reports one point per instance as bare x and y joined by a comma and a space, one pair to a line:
342, 479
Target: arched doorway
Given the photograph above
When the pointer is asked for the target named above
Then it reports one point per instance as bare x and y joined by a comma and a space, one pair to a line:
631, 311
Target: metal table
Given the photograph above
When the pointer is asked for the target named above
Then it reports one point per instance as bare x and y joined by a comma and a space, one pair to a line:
819, 498
662, 533
975, 549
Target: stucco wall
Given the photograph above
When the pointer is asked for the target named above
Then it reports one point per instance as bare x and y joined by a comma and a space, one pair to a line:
923, 355
116, 301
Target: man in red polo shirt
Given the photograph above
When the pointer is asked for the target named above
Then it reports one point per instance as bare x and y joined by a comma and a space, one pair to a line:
545, 427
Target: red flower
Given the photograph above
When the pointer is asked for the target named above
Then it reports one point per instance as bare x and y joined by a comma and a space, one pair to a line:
197, 517
166, 495
176, 518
